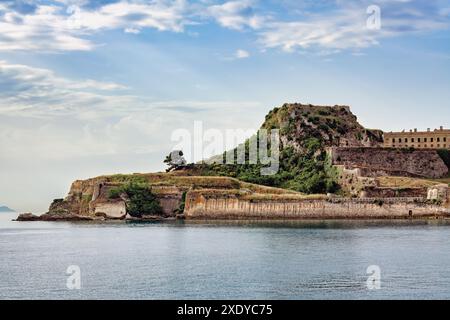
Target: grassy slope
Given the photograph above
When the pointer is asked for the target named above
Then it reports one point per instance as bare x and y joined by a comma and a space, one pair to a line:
213, 185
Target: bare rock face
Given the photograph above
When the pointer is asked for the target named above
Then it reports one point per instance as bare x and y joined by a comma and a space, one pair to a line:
334, 125
111, 210
374, 162
90, 199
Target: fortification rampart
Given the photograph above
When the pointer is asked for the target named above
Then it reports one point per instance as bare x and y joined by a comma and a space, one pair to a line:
202, 205
373, 162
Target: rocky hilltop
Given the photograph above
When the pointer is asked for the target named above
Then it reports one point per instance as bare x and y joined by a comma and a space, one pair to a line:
330, 167
330, 125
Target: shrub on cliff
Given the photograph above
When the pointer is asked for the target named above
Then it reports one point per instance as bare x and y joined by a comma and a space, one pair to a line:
180, 209
114, 193
141, 199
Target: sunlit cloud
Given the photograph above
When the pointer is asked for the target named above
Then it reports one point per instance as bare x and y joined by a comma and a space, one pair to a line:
236, 15
346, 27
242, 54
68, 25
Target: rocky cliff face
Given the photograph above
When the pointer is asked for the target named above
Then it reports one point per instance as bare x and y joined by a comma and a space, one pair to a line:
91, 199
374, 162
331, 125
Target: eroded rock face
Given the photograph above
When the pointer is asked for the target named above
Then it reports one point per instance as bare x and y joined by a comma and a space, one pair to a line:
111, 210
374, 162
334, 125
90, 198
204, 205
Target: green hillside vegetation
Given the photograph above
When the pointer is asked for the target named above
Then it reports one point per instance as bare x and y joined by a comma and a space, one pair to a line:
141, 199
307, 172
304, 165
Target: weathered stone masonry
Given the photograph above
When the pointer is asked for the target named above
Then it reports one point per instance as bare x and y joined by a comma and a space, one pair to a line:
204, 206
373, 162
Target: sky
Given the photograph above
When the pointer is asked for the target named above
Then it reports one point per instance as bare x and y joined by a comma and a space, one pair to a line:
98, 87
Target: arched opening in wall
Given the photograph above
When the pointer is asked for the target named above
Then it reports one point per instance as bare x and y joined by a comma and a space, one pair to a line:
410, 213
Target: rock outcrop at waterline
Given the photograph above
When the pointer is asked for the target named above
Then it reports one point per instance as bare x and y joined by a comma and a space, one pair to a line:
53, 216
91, 199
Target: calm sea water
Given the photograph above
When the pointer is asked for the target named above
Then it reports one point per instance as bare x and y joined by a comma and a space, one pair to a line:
228, 260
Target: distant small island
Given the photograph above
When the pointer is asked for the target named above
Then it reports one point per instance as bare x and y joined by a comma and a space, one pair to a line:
6, 209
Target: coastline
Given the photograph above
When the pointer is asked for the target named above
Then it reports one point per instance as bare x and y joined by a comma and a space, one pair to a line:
215, 198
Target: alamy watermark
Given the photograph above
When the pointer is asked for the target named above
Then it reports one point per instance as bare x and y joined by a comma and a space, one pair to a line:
261, 148
73, 281
373, 21
374, 280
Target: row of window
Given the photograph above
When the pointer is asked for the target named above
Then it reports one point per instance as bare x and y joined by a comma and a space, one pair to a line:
424, 146
419, 140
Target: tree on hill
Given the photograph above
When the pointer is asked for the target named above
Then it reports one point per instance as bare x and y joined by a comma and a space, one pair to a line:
175, 160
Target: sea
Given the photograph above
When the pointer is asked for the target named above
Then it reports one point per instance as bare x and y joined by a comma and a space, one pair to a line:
402, 259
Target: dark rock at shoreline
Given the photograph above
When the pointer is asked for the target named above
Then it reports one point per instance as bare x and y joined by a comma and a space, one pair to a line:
59, 216
149, 218
65, 216
27, 217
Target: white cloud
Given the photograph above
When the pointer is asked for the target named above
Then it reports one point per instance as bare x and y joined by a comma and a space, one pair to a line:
43, 30
38, 92
111, 121
160, 15
346, 28
242, 54
65, 27
132, 30
337, 33
236, 15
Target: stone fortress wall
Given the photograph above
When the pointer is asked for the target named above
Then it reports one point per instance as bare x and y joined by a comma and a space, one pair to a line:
373, 162
201, 205
358, 169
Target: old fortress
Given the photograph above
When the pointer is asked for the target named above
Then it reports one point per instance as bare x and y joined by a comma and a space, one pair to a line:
437, 139
380, 175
